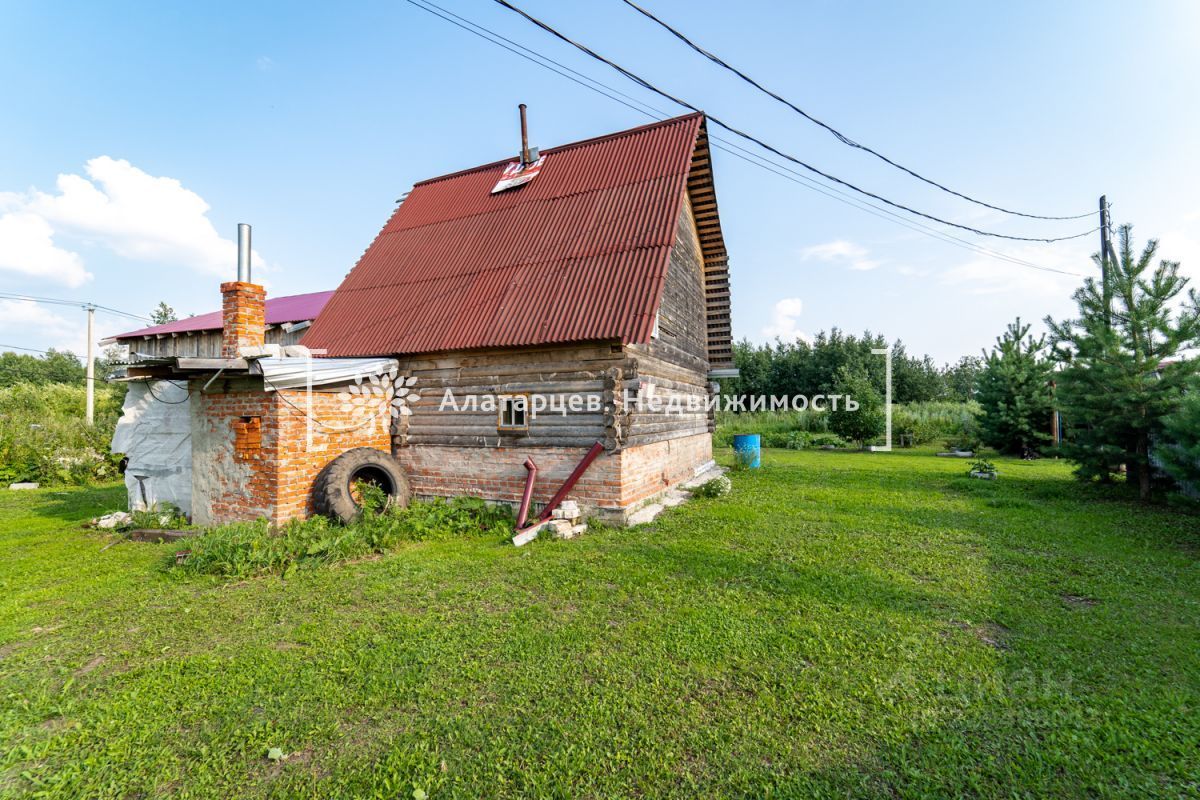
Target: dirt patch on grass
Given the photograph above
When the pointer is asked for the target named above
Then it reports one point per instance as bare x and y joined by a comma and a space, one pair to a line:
993, 634
89, 666
1079, 601
7, 650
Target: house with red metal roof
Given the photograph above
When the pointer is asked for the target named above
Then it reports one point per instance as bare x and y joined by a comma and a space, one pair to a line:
526, 331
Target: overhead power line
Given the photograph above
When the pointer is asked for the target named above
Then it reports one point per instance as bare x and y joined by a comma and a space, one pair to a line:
841, 137
75, 303
720, 143
41, 352
736, 131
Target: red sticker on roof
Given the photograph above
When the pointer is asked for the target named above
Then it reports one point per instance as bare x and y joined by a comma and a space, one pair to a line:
516, 175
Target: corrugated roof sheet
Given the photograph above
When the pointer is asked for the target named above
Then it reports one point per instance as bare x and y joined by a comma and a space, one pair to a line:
577, 254
293, 308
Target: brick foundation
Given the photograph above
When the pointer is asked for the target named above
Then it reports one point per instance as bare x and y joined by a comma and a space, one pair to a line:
614, 484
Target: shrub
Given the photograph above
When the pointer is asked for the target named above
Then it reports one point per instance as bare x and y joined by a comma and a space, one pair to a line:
983, 466
44, 438
929, 422
863, 423
245, 549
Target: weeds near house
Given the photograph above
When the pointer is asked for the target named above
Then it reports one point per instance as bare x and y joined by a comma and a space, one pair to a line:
246, 549
44, 438
719, 486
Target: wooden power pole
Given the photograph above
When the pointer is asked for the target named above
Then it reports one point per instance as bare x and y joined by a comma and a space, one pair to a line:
1108, 258
91, 364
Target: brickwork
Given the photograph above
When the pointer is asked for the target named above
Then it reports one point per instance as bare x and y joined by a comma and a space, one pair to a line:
253, 459
613, 483
334, 432
649, 469
243, 313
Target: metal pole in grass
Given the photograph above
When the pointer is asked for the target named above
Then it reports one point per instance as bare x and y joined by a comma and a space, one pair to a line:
887, 395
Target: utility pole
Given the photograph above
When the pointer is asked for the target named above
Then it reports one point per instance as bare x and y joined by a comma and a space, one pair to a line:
1107, 258
91, 363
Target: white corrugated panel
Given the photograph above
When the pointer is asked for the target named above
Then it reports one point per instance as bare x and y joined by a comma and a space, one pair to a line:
293, 373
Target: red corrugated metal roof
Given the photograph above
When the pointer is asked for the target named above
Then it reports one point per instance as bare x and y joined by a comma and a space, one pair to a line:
292, 308
577, 254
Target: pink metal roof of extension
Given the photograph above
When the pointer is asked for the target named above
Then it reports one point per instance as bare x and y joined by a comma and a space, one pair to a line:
293, 308
577, 254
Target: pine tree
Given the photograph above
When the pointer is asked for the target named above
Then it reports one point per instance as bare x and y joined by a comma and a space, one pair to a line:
1180, 445
163, 314
1120, 380
865, 422
1014, 390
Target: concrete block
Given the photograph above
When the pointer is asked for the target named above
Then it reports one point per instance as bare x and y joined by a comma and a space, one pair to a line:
528, 535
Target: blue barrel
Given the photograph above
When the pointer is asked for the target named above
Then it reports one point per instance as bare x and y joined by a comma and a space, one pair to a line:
747, 450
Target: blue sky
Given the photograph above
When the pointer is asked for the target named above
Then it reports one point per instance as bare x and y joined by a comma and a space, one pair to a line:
136, 136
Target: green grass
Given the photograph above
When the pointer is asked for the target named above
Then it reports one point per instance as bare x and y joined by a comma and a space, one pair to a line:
843, 625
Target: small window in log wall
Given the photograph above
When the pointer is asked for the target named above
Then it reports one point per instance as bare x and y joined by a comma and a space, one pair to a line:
513, 412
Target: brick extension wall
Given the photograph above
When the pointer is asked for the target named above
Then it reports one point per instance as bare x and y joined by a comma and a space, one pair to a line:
251, 456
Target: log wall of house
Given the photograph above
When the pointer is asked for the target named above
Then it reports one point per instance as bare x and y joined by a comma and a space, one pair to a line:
589, 372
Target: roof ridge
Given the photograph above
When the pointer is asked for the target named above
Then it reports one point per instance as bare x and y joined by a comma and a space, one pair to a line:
561, 147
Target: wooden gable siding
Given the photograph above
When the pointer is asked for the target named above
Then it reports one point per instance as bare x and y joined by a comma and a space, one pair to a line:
671, 372
703, 196
200, 344
681, 314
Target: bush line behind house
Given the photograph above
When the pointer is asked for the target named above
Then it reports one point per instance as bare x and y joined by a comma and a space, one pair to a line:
952, 423
809, 368
247, 549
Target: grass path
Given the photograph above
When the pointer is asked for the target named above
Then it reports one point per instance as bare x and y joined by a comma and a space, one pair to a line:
843, 625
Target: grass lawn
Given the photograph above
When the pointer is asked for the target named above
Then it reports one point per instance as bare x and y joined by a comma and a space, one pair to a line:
843, 625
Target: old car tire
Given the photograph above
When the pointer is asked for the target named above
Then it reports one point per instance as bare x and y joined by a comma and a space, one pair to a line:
333, 491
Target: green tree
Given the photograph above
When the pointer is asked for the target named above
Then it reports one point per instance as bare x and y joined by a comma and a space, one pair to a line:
1180, 447
1014, 391
962, 379
54, 366
1121, 380
868, 420
163, 314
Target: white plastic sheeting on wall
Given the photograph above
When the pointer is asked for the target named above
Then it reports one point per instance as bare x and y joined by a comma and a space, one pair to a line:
293, 373
154, 433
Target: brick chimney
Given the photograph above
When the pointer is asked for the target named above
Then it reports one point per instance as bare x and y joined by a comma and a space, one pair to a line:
243, 305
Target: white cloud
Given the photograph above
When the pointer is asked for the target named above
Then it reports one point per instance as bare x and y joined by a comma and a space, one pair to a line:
138, 216
1178, 246
840, 251
783, 321
27, 247
19, 318
983, 275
